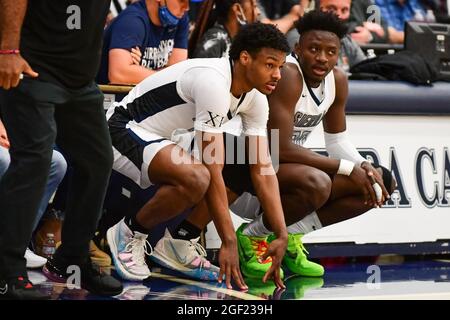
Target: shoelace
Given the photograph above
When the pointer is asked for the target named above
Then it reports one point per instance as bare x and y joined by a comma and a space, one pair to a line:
260, 246
198, 250
299, 247
138, 248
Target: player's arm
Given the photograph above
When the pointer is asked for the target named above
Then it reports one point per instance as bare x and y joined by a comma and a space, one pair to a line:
122, 69
211, 97
282, 110
265, 182
212, 151
12, 13
254, 123
340, 147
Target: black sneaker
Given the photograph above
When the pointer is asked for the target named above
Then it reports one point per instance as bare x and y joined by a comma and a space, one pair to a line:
20, 288
92, 280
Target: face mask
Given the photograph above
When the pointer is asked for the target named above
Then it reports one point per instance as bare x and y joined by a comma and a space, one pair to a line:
242, 20
166, 17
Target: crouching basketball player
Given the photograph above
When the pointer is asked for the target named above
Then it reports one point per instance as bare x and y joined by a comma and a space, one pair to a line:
316, 190
199, 95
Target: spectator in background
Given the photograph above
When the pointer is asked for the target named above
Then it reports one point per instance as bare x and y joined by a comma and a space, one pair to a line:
156, 31
57, 171
364, 30
350, 52
217, 24
398, 12
284, 14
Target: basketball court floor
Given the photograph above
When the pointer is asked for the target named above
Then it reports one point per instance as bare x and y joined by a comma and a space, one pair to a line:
386, 278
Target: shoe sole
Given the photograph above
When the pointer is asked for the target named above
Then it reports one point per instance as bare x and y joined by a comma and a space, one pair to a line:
123, 273
164, 261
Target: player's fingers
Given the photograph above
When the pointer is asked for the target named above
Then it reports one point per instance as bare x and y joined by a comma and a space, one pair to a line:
238, 279
228, 277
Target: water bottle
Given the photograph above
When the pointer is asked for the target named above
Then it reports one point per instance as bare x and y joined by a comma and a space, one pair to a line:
49, 246
418, 16
430, 16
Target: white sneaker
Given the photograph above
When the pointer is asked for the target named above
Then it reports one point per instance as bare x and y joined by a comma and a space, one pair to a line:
185, 256
128, 250
33, 260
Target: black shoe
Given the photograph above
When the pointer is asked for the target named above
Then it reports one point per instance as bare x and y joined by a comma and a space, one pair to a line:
91, 279
20, 288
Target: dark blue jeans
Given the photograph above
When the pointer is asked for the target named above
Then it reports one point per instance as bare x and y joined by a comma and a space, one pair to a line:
36, 114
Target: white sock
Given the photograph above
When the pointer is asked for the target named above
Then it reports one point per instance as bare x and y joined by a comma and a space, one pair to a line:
256, 228
308, 224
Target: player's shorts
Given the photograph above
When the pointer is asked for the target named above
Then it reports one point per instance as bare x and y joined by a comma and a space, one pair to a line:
134, 150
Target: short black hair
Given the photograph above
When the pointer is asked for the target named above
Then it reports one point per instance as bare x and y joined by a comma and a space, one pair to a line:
323, 21
255, 36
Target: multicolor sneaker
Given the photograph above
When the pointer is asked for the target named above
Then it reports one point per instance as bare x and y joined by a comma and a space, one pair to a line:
295, 258
128, 250
250, 251
185, 256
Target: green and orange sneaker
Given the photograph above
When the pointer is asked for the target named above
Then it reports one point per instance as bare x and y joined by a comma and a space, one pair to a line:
250, 251
295, 258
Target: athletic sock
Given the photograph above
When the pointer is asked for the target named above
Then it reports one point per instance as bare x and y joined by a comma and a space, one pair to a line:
186, 231
256, 228
132, 223
308, 224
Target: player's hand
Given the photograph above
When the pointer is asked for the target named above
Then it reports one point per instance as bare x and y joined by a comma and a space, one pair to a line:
136, 56
375, 177
276, 251
11, 67
361, 178
229, 266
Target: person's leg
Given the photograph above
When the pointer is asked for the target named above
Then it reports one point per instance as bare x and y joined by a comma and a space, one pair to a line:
58, 169
28, 118
83, 137
302, 189
347, 201
147, 162
187, 183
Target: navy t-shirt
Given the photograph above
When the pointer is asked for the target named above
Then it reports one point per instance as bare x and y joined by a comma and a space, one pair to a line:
132, 28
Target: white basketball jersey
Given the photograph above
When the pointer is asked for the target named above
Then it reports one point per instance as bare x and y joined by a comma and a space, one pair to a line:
312, 104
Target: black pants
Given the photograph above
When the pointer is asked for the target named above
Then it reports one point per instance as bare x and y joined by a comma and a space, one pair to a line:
35, 114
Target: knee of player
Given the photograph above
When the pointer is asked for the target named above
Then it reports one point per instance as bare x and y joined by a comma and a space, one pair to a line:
196, 182
319, 183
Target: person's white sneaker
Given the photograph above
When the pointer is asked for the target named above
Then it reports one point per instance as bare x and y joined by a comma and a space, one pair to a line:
128, 250
185, 256
33, 260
